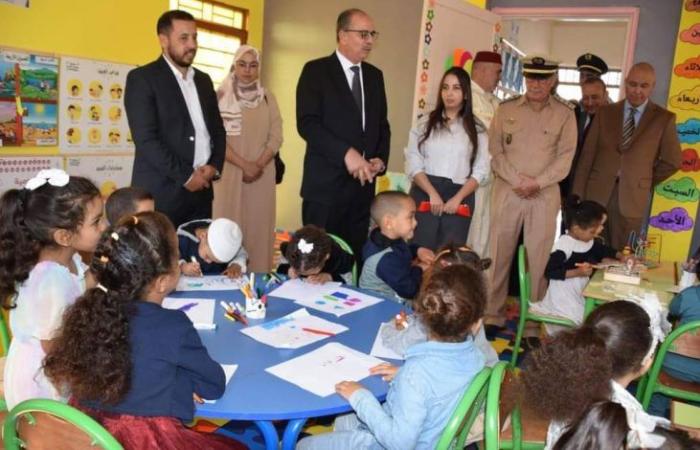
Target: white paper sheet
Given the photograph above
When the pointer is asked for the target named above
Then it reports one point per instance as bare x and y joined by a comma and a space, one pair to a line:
209, 283
339, 301
379, 349
298, 289
199, 310
293, 330
320, 370
229, 370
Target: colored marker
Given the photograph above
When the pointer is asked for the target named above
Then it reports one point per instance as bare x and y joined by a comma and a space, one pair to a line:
187, 306
315, 331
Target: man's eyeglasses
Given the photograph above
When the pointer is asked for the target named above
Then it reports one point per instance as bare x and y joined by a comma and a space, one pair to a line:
366, 34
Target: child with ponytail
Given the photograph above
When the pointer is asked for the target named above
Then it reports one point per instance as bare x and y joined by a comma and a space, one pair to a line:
42, 229
571, 263
595, 362
134, 366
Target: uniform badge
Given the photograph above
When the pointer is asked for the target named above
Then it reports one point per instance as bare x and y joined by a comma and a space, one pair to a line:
509, 138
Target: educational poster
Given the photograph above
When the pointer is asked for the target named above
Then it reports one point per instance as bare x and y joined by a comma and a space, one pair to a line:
28, 96
15, 171
441, 48
92, 116
675, 206
109, 173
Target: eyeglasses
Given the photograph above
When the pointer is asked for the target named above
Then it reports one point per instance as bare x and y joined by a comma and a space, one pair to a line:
244, 65
366, 34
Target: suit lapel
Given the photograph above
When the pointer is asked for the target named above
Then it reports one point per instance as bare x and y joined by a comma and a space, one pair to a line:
616, 119
168, 78
341, 82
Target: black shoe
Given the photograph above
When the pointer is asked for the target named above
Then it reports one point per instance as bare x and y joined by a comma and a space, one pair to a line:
530, 343
491, 331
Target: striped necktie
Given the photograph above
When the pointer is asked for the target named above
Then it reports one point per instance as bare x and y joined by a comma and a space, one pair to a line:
628, 129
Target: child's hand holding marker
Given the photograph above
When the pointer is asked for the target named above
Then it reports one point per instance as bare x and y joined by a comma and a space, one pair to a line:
585, 269
401, 321
191, 269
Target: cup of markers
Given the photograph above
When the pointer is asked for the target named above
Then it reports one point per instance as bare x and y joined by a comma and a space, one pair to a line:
255, 301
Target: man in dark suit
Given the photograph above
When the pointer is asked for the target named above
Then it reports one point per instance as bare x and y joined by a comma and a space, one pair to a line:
631, 147
342, 116
176, 126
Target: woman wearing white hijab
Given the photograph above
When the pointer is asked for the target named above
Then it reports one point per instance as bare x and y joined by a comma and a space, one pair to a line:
246, 191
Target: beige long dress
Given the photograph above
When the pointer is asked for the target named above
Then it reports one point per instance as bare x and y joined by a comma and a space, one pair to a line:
252, 205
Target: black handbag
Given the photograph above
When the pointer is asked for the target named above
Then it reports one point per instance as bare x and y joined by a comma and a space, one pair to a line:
279, 168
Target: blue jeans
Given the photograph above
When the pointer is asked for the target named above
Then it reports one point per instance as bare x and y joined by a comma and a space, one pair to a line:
348, 434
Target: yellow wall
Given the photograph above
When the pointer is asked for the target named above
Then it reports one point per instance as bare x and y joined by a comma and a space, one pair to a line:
118, 30
479, 3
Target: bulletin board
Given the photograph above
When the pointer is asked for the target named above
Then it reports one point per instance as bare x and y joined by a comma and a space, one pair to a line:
674, 208
441, 48
70, 111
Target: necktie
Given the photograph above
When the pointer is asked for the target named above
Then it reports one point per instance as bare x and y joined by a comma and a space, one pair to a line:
628, 129
356, 89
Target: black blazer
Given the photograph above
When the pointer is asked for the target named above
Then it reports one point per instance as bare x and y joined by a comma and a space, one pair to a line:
330, 122
163, 132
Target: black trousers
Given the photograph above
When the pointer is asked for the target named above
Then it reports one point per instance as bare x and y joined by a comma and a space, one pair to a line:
348, 221
187, 206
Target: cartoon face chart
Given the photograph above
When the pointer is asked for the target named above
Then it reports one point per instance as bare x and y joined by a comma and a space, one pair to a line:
94, 135
114, 136
95, 113
73, 135
95, 89
115, 91
75, 87
115, 113
74, 112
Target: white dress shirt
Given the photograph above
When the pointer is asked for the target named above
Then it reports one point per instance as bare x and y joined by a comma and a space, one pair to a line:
349, 74
447, 153
201, 138
638, 113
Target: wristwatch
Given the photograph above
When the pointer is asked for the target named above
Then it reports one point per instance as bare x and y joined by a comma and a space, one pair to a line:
217, 176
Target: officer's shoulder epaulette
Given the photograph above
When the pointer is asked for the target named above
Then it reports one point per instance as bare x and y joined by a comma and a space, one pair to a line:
511, 99
566, 103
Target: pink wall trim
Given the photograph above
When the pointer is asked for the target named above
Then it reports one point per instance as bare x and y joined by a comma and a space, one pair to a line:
629, 13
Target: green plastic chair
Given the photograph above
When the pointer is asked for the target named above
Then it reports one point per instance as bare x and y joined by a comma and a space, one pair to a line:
492, 419
99, 436
652, 382
525, 303
346, 247
466, 412
4, 347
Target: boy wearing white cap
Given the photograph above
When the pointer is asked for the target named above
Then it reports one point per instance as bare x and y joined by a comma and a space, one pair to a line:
211, 247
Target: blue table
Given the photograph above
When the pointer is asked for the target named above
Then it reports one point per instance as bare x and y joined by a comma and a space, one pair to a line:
253, 394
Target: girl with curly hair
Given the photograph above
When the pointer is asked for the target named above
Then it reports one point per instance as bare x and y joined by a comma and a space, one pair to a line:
595, 362
426, 389
405, 330
313, 255
131, 364
42, 229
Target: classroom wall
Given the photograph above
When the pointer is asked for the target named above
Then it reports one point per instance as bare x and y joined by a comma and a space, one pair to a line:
121, 31
292, 36
656, 35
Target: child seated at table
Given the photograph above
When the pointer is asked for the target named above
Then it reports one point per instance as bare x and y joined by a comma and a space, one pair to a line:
405, 330
128, 201
571, 263
211, 247
684, 308
133, 365
313, 255
389, 266
425, 391
597, 361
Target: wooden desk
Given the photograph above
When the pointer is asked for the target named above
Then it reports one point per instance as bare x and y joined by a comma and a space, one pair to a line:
686, 417
660, 280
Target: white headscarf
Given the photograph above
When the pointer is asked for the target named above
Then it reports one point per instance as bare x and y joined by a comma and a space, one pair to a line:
234, 94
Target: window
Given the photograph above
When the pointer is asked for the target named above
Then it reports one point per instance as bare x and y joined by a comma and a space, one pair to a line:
221, 29
569, 88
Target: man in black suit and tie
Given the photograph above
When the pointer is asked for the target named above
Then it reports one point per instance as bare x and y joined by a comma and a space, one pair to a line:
342, 116
176, 126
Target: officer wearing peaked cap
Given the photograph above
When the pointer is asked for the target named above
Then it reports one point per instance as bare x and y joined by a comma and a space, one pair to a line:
590, 65
532, 140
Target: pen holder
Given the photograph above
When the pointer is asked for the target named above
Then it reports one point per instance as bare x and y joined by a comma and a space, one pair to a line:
254, 308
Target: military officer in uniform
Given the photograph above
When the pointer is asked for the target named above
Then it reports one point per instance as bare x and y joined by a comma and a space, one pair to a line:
532, 140
590, 66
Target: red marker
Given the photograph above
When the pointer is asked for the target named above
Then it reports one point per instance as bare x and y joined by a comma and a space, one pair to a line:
315, 331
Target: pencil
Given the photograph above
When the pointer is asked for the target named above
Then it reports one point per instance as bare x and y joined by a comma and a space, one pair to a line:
315, 331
